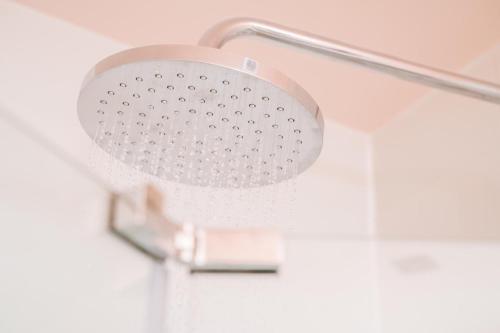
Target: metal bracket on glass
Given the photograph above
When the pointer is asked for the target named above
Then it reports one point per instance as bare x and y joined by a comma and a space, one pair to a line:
138, 218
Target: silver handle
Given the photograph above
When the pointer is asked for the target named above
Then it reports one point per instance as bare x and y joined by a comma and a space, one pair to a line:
230, 29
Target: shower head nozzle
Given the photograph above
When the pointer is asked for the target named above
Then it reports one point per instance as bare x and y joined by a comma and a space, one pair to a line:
200, 116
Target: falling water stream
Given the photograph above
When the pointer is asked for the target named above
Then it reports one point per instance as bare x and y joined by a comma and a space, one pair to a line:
224, 149
208, 143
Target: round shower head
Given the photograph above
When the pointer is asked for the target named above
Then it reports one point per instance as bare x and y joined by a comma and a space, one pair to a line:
200, 116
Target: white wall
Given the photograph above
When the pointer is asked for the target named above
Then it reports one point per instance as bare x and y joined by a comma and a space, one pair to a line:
60, 269
436, 166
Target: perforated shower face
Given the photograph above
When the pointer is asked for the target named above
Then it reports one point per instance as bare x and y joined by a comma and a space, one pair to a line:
198, 116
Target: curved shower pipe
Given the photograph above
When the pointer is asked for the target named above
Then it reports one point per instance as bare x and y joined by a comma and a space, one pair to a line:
230, 29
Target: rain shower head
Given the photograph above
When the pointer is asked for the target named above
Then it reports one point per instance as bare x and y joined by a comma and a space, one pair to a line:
200, 116
197, 115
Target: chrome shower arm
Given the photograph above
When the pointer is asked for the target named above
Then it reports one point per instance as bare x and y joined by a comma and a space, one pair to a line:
230, 29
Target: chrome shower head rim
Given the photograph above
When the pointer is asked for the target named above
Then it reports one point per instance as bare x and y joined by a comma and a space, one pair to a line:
212, 56
215, 57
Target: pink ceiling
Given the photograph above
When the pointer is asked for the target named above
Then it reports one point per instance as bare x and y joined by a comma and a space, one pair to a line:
442, 33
